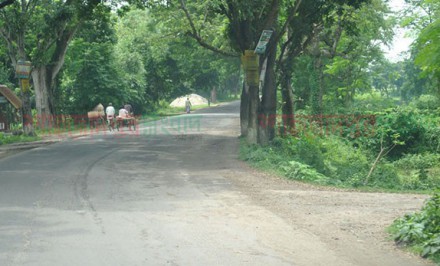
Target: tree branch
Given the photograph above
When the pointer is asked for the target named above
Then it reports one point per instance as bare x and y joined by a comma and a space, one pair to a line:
288, 20
195, 34
6, 3
60, 50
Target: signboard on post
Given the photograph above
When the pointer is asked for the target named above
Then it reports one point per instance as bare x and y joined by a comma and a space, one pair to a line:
250, 61
23, 69
264, 40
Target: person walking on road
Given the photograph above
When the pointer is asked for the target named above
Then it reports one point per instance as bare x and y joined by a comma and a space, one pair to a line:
110, 112
188, 105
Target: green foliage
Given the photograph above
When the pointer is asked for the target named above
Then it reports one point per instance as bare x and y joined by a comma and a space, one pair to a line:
8, 139
90, 78
401, 127
304, 150
271, 159
427, 102
421, 230
299, 171
160, 63
346, 163
429, 47
418, 161
431, 138
372, 102
329, 160
419, 171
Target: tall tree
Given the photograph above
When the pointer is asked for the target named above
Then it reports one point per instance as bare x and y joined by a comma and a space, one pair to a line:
91, 74
421, 19
428, 44
40, 31
245, 22
316, 30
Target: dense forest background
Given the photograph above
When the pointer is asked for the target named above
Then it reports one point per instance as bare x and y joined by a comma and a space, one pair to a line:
327, 88
326, 81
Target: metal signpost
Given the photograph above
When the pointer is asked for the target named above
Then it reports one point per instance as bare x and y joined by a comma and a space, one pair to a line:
264, 40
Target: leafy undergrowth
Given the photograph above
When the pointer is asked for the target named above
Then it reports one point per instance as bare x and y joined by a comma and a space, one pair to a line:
421, 231
335, 161
8, 139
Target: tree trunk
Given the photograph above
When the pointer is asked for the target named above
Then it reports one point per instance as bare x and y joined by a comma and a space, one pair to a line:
44, 77
267, 114
244, 110
42, 88
26, 112
288, 104
268, 111
318, 90
253, 107
214, 95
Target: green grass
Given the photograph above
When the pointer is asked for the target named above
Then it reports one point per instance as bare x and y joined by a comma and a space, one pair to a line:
9, 139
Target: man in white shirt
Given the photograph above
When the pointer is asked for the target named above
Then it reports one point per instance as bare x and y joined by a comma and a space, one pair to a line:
110, 111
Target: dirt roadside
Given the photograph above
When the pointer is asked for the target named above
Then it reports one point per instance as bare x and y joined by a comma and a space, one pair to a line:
351, 223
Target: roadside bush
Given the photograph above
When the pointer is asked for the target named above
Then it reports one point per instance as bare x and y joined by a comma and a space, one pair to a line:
373, 101
385, 176
276, 158
418, 161
8, 139
402, 125
308, 151
419, 171
305, 149
345, 162
431, 138
421, 230
330, 160
299, 171
427, 102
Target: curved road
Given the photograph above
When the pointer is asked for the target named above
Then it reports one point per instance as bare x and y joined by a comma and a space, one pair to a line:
171, 193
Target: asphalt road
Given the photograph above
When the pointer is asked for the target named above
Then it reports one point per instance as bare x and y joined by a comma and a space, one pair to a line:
160, 195
144, 197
